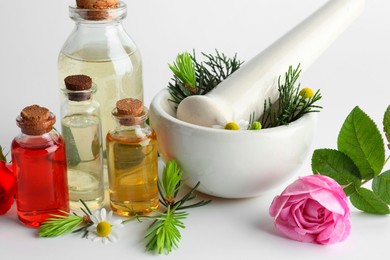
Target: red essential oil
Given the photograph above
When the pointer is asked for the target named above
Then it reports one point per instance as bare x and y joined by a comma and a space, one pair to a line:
39, 162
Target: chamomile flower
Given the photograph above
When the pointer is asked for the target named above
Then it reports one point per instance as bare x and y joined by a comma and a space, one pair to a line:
240, 125
306, 93
103, 228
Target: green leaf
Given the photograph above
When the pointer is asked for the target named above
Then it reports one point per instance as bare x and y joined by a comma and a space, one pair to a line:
381, 186
337, 166
386, 125
360, 139
367, 201
2, 156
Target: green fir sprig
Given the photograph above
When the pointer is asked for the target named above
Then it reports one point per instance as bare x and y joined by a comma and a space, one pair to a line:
58, 225
163, 234
208, 74
184, 70
360, 158
292, 103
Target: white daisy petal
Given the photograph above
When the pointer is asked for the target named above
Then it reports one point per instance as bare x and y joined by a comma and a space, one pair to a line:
94, 219
113, 237
103, 214
109, 216
96, 239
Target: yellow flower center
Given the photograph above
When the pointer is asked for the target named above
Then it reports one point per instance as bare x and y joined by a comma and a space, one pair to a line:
103, 229
306, 93
232, 126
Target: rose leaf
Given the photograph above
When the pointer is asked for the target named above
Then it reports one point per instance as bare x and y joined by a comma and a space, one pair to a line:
360, 140
386, 125
381, 186
337, 166
367, 201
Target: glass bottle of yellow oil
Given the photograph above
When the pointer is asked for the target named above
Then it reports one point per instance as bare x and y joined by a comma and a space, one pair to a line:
100, 48
132, 160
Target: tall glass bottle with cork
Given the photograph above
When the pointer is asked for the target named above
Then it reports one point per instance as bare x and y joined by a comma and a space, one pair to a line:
39, 164
132, 160
81, 129
100, 48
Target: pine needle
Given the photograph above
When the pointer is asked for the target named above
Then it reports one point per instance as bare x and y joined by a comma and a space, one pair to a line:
59, 224
291, 104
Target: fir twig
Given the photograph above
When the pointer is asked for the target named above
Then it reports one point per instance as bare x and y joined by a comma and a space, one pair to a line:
163, 234
208, 75
68, 222
184, 71
59, 224
291, 105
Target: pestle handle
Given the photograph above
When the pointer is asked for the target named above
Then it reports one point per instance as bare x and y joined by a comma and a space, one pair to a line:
243, 92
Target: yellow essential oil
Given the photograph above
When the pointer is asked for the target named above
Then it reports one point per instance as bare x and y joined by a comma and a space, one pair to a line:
132, 165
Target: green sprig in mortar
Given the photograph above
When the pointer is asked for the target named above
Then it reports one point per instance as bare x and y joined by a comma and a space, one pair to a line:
360, 158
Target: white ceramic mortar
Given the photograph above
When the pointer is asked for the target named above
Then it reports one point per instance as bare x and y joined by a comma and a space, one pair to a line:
231, 164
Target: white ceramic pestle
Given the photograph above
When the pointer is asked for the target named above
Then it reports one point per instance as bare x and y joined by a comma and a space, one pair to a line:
244, 92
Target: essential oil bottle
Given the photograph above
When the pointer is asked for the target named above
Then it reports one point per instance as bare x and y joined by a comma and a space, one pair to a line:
132, 160
39, 164
100, 47
81, 129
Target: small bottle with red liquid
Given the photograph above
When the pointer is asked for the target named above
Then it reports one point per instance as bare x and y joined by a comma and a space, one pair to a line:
39, 163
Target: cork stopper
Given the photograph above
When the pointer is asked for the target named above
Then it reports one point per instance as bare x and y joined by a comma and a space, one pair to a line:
97, 4
79, 87
35, 120
97, 8
130, 111
130, 106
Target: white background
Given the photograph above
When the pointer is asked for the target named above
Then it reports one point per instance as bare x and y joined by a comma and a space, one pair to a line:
353, 71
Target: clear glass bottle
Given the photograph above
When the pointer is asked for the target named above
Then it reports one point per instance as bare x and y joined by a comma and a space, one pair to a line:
81, 129
39, 164
100, 48
132, 165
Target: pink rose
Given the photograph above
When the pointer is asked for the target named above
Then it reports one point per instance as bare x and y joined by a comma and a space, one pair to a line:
312, 209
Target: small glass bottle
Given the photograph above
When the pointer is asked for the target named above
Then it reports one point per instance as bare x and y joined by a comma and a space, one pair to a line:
100, 48
39, 164
132, 160
81, 129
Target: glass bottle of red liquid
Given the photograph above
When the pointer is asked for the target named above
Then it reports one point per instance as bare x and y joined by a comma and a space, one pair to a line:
39, 164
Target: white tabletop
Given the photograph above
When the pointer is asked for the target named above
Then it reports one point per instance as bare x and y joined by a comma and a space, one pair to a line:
353, 71
224, 229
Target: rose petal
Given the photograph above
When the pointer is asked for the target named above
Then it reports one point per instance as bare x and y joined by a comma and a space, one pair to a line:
277, 205
292, 234
299, 187
325, 182
329, 201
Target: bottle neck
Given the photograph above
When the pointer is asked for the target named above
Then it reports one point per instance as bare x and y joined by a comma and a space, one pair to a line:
98, 17
130, 121
38, 141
